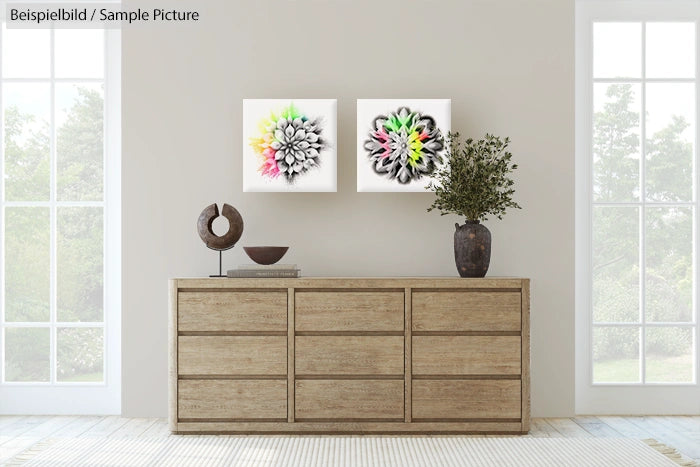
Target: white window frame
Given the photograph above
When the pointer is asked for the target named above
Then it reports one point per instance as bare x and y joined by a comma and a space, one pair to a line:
623, 398
78, 398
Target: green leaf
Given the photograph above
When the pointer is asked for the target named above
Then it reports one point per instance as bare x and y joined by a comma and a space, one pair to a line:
475, 181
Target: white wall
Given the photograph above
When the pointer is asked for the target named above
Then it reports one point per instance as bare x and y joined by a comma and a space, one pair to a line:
508, 67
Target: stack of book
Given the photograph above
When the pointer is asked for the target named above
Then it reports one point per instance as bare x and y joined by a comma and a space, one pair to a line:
260, 270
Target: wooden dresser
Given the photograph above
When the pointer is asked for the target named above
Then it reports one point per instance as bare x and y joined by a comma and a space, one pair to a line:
350, 355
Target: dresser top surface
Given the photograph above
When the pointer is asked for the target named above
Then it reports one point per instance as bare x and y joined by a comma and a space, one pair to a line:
354, 282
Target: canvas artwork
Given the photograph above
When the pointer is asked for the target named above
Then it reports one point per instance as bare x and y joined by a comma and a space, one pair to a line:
400, 142
289, 145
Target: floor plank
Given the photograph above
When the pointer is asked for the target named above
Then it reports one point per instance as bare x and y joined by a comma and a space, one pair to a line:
20, 426
35, 434
541, 429
159, 429
669, 433
79, 426
568, 428
106, 426
6, 420
134, 427
626, 428
597, 427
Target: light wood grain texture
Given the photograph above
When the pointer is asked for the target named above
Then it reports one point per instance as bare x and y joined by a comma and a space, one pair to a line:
597, 428
353, 283
349, 311
212, 399
105, 427
291, 320
525, 354
569, 428
172, 353
541, 429
40, 429
347, 355
134, 428
349, 399
466, 399
232, 355
466, 311
407, 355
232, 311
353, 428
318, 354
466, 355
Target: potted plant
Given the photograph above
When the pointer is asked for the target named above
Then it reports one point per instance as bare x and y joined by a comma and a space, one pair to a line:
475, 183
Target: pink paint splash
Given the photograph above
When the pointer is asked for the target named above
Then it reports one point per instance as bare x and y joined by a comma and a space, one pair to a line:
269, 166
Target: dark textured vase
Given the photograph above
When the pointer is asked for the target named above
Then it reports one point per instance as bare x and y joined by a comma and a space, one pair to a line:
472, 249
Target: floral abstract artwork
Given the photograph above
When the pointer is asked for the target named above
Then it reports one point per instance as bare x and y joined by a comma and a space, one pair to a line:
289, 145
400, 142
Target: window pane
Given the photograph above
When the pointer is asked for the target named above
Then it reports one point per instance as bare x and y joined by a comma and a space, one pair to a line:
27, 263
80, 354
27, 354
26, 118
79, 264
669, 267
615, 355
17, 45
669, 355
670, 138
79, 142
616, 147
79, 53
617, 50
615, 264
670, 50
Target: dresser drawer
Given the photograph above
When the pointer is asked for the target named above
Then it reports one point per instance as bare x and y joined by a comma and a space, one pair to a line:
349, 399
349, 355
466, 399
232, 355
239, 399
466, 355
232, 311
348, 311
466, 311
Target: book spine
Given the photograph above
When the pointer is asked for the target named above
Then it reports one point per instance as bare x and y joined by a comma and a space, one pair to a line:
267, 267
254, 273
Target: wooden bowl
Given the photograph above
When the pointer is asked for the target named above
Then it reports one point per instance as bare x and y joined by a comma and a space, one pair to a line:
265, 254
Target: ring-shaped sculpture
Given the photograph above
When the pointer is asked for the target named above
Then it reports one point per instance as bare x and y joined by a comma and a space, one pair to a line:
220, 242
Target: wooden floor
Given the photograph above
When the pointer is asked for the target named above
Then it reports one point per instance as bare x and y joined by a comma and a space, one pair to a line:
18, 433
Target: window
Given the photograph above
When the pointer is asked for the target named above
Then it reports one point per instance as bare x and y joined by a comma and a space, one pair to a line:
637, 207
60, 254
